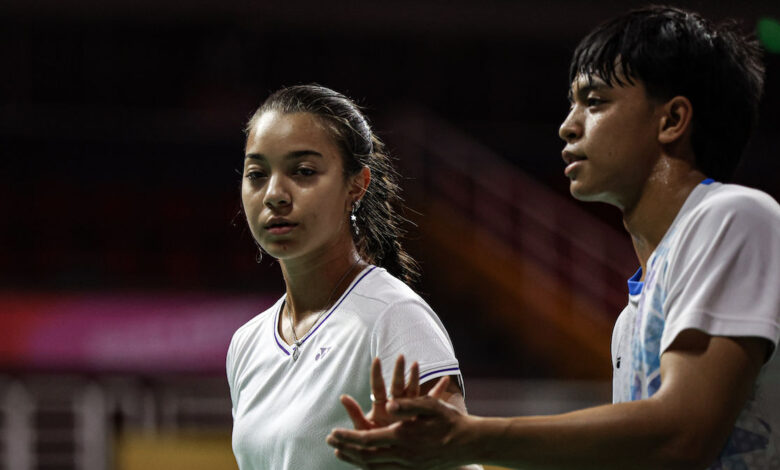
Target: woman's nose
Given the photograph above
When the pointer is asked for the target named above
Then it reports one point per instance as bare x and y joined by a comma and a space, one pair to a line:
276, 194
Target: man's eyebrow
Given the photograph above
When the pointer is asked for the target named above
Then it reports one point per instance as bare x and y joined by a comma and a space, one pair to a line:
290, 156
582, 91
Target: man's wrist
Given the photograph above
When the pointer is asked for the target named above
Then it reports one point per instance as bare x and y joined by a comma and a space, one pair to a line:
467, 440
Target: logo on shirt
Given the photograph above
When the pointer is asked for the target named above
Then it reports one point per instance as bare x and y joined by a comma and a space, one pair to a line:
322, 353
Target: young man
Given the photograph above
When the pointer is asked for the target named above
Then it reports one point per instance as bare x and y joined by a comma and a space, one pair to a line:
662, 103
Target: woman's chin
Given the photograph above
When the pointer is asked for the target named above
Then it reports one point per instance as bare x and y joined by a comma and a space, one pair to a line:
281, 249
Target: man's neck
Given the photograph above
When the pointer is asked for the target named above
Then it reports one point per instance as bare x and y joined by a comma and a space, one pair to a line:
659, 202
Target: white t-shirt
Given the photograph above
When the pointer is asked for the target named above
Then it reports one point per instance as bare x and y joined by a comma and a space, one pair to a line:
717, 269
283, 408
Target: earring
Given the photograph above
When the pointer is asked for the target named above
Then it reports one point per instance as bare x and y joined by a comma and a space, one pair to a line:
259, 255
353, 217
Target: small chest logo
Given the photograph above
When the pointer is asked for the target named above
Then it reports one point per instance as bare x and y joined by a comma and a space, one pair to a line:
322, 353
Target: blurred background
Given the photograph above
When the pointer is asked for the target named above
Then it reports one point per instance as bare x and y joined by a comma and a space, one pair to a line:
125, 264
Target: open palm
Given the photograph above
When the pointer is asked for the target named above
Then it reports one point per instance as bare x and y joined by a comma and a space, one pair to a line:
378, 416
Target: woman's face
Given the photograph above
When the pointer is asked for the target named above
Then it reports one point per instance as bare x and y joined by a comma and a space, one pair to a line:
294, 193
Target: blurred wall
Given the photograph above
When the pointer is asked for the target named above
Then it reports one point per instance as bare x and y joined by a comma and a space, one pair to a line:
121, 135
121, 122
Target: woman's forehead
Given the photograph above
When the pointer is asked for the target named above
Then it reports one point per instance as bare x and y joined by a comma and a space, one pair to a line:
283, 124
276, 134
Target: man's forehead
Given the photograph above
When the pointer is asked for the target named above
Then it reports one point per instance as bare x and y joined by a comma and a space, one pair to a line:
585, 82
591, 79
588, 80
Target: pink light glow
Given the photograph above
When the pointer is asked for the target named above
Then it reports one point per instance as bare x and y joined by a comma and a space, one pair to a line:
121, 332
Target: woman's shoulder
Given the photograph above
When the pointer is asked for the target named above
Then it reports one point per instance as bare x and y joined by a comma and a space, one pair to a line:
381, 290
249, 328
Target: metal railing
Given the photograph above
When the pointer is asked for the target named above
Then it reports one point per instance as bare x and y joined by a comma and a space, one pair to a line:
440, 162
70, 421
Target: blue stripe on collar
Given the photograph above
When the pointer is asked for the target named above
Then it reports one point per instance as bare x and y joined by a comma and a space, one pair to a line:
634, 283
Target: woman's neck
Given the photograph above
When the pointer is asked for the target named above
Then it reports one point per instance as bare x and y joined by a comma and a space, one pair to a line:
315, 283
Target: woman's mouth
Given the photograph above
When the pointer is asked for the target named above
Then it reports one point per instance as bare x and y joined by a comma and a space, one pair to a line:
280, 228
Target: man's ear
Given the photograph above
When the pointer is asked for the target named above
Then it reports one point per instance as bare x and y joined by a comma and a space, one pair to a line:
675, 120
359, 184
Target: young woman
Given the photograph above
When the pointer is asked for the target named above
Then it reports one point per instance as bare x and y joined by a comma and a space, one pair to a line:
320, 195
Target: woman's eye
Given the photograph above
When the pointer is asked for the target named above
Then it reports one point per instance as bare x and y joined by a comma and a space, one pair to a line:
305, 171
254, 174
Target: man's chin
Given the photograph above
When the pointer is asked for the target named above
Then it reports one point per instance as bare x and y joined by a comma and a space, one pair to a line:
578, 191
582, 193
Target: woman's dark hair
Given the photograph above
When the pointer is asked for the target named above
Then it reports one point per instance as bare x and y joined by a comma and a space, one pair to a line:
378, 218
679, 53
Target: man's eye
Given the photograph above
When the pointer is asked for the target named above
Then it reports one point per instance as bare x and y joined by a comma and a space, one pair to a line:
305, 171
594, 101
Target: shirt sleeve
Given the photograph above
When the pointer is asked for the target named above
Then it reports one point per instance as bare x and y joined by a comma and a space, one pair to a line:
724, 275
411, 328
230, 369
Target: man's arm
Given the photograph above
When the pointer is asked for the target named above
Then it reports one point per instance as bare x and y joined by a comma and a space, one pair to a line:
705, 383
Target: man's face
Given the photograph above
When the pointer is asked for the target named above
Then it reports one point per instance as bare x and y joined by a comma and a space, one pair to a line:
611, 140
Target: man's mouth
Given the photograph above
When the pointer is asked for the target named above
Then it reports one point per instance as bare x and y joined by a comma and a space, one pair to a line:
569, 157
571, 160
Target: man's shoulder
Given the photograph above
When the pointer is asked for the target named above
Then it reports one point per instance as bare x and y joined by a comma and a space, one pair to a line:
733, 205
733, 198
720, 217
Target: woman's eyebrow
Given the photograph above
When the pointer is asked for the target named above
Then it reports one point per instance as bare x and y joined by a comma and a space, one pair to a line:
290, 156
302, 153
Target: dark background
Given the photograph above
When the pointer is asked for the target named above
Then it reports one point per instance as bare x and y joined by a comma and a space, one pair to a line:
121, 122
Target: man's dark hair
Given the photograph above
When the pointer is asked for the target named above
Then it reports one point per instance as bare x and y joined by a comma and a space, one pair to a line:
678, 53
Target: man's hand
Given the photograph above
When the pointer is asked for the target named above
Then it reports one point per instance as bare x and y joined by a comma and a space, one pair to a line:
379, 416
406, 432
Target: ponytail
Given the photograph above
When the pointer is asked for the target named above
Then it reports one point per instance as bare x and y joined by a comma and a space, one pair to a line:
379, 221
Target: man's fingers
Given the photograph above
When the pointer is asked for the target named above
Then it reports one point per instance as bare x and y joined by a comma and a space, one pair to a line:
380, 437
413, 389
440, 387
373, 458
411, 407
355, 412
377, 382
397, 388
348, 457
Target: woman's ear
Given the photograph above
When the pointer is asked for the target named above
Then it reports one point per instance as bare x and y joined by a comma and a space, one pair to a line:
359, 185
676, 119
